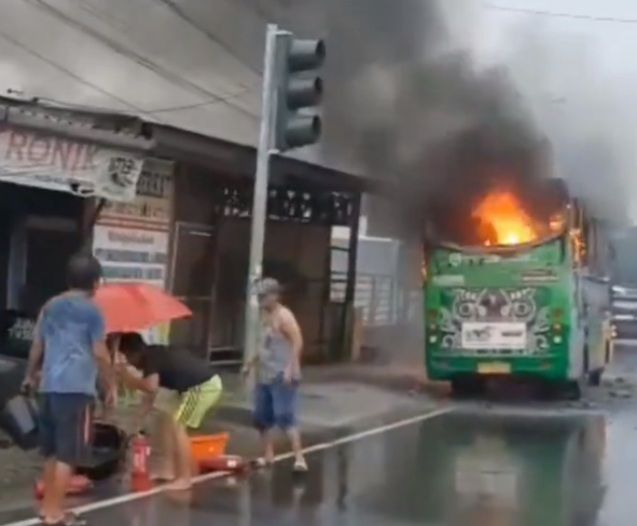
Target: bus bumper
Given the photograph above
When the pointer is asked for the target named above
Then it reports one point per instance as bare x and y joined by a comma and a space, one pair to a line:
546, 367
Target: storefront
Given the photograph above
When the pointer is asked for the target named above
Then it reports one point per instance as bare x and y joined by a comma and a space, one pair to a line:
49, 186
181, 223
209, 259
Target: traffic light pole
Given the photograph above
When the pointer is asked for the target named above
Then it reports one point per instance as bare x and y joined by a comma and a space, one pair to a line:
260, 195
286, 92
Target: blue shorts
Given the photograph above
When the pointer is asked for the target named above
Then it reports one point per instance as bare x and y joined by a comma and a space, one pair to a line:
275, 405
65, 427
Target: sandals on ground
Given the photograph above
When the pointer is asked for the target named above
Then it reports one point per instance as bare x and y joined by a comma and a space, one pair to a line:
300, 466
262, 462
70, 519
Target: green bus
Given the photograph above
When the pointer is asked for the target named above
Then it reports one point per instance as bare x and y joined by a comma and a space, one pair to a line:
512, 303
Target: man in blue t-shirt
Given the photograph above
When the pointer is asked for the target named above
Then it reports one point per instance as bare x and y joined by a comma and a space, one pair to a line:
68, 348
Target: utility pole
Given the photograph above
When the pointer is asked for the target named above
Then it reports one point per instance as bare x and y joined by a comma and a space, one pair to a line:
289, 88
260, 195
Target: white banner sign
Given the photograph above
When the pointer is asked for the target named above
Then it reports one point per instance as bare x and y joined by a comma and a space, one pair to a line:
129, 255
131, 239
152, 206
57, 163
493, 335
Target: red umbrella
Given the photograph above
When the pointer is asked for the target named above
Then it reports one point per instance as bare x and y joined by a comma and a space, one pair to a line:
132, 307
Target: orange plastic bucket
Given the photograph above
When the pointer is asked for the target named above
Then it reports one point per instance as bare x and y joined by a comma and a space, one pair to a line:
209, 446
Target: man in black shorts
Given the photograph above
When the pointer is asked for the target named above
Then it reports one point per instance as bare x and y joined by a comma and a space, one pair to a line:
179, 385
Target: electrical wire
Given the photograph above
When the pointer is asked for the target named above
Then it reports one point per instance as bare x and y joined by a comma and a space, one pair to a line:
70, 73
555, 14
194, 105
149, 114
59, 104
181, 13
174, 78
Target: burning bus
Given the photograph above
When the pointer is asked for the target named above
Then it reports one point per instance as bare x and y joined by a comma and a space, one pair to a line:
505, 284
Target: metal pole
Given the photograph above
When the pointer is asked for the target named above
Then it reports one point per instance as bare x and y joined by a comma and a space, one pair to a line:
350, 285
259, 199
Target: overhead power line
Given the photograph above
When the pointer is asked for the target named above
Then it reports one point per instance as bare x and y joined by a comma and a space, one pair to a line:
181, 13
557, 14
176, 78
21, 45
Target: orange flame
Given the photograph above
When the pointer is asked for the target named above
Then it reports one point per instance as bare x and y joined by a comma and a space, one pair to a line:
503, 220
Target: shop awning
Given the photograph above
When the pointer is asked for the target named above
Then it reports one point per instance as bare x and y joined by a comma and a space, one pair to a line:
40, 149
189, 70
187, 64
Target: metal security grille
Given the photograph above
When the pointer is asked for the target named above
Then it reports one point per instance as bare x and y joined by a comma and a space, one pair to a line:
375, 295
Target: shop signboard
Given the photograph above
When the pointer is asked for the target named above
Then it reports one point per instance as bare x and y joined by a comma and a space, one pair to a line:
131, 239
58, 163
16, 333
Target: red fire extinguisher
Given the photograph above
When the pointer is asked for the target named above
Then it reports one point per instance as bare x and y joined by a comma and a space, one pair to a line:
141, 454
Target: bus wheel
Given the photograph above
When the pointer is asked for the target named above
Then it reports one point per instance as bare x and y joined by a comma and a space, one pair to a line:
595, 377
574, 389
467, 386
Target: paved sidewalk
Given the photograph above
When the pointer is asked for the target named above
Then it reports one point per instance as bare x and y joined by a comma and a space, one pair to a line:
335, 401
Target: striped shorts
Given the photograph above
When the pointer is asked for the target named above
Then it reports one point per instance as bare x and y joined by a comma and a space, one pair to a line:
190, 408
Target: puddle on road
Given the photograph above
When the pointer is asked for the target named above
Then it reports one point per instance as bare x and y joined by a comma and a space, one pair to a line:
453, 470
498, 470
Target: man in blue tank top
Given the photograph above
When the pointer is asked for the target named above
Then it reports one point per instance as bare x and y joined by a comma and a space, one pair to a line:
278, 370
68, 348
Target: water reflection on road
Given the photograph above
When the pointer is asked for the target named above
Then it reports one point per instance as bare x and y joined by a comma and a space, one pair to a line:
473, 469
500, 470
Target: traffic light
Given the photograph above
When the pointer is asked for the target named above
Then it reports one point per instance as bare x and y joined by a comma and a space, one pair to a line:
299, 91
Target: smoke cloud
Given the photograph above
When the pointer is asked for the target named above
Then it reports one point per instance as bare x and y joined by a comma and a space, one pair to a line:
417, 104
420, 100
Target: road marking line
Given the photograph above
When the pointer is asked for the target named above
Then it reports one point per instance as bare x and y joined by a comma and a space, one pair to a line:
130, 497
368, 433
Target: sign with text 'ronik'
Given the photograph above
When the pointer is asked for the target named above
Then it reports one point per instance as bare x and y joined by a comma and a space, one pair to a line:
58, 163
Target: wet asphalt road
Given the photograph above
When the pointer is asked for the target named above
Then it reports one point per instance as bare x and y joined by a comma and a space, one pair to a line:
471, 467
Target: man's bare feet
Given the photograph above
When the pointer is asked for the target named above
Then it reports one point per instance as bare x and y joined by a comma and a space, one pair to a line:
269, 455
181, 485
263, 462
300, 465
161, 477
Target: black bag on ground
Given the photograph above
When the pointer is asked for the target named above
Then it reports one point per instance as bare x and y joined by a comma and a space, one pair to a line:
19, 419
108, 452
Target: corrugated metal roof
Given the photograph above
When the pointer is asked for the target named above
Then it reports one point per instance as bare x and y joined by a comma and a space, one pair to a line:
159, 59
188, 64
195, 64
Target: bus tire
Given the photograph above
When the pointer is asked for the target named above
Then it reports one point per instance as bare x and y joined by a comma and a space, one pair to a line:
595, 377
467, 386
574, 389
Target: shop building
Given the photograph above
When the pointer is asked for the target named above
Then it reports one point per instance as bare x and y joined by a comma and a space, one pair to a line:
186, 227
53, 172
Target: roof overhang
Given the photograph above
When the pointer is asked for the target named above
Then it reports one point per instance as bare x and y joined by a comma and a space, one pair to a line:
240, 160
113, 130
126, 133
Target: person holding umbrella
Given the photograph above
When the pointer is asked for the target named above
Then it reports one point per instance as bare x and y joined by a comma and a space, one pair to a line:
181, 386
